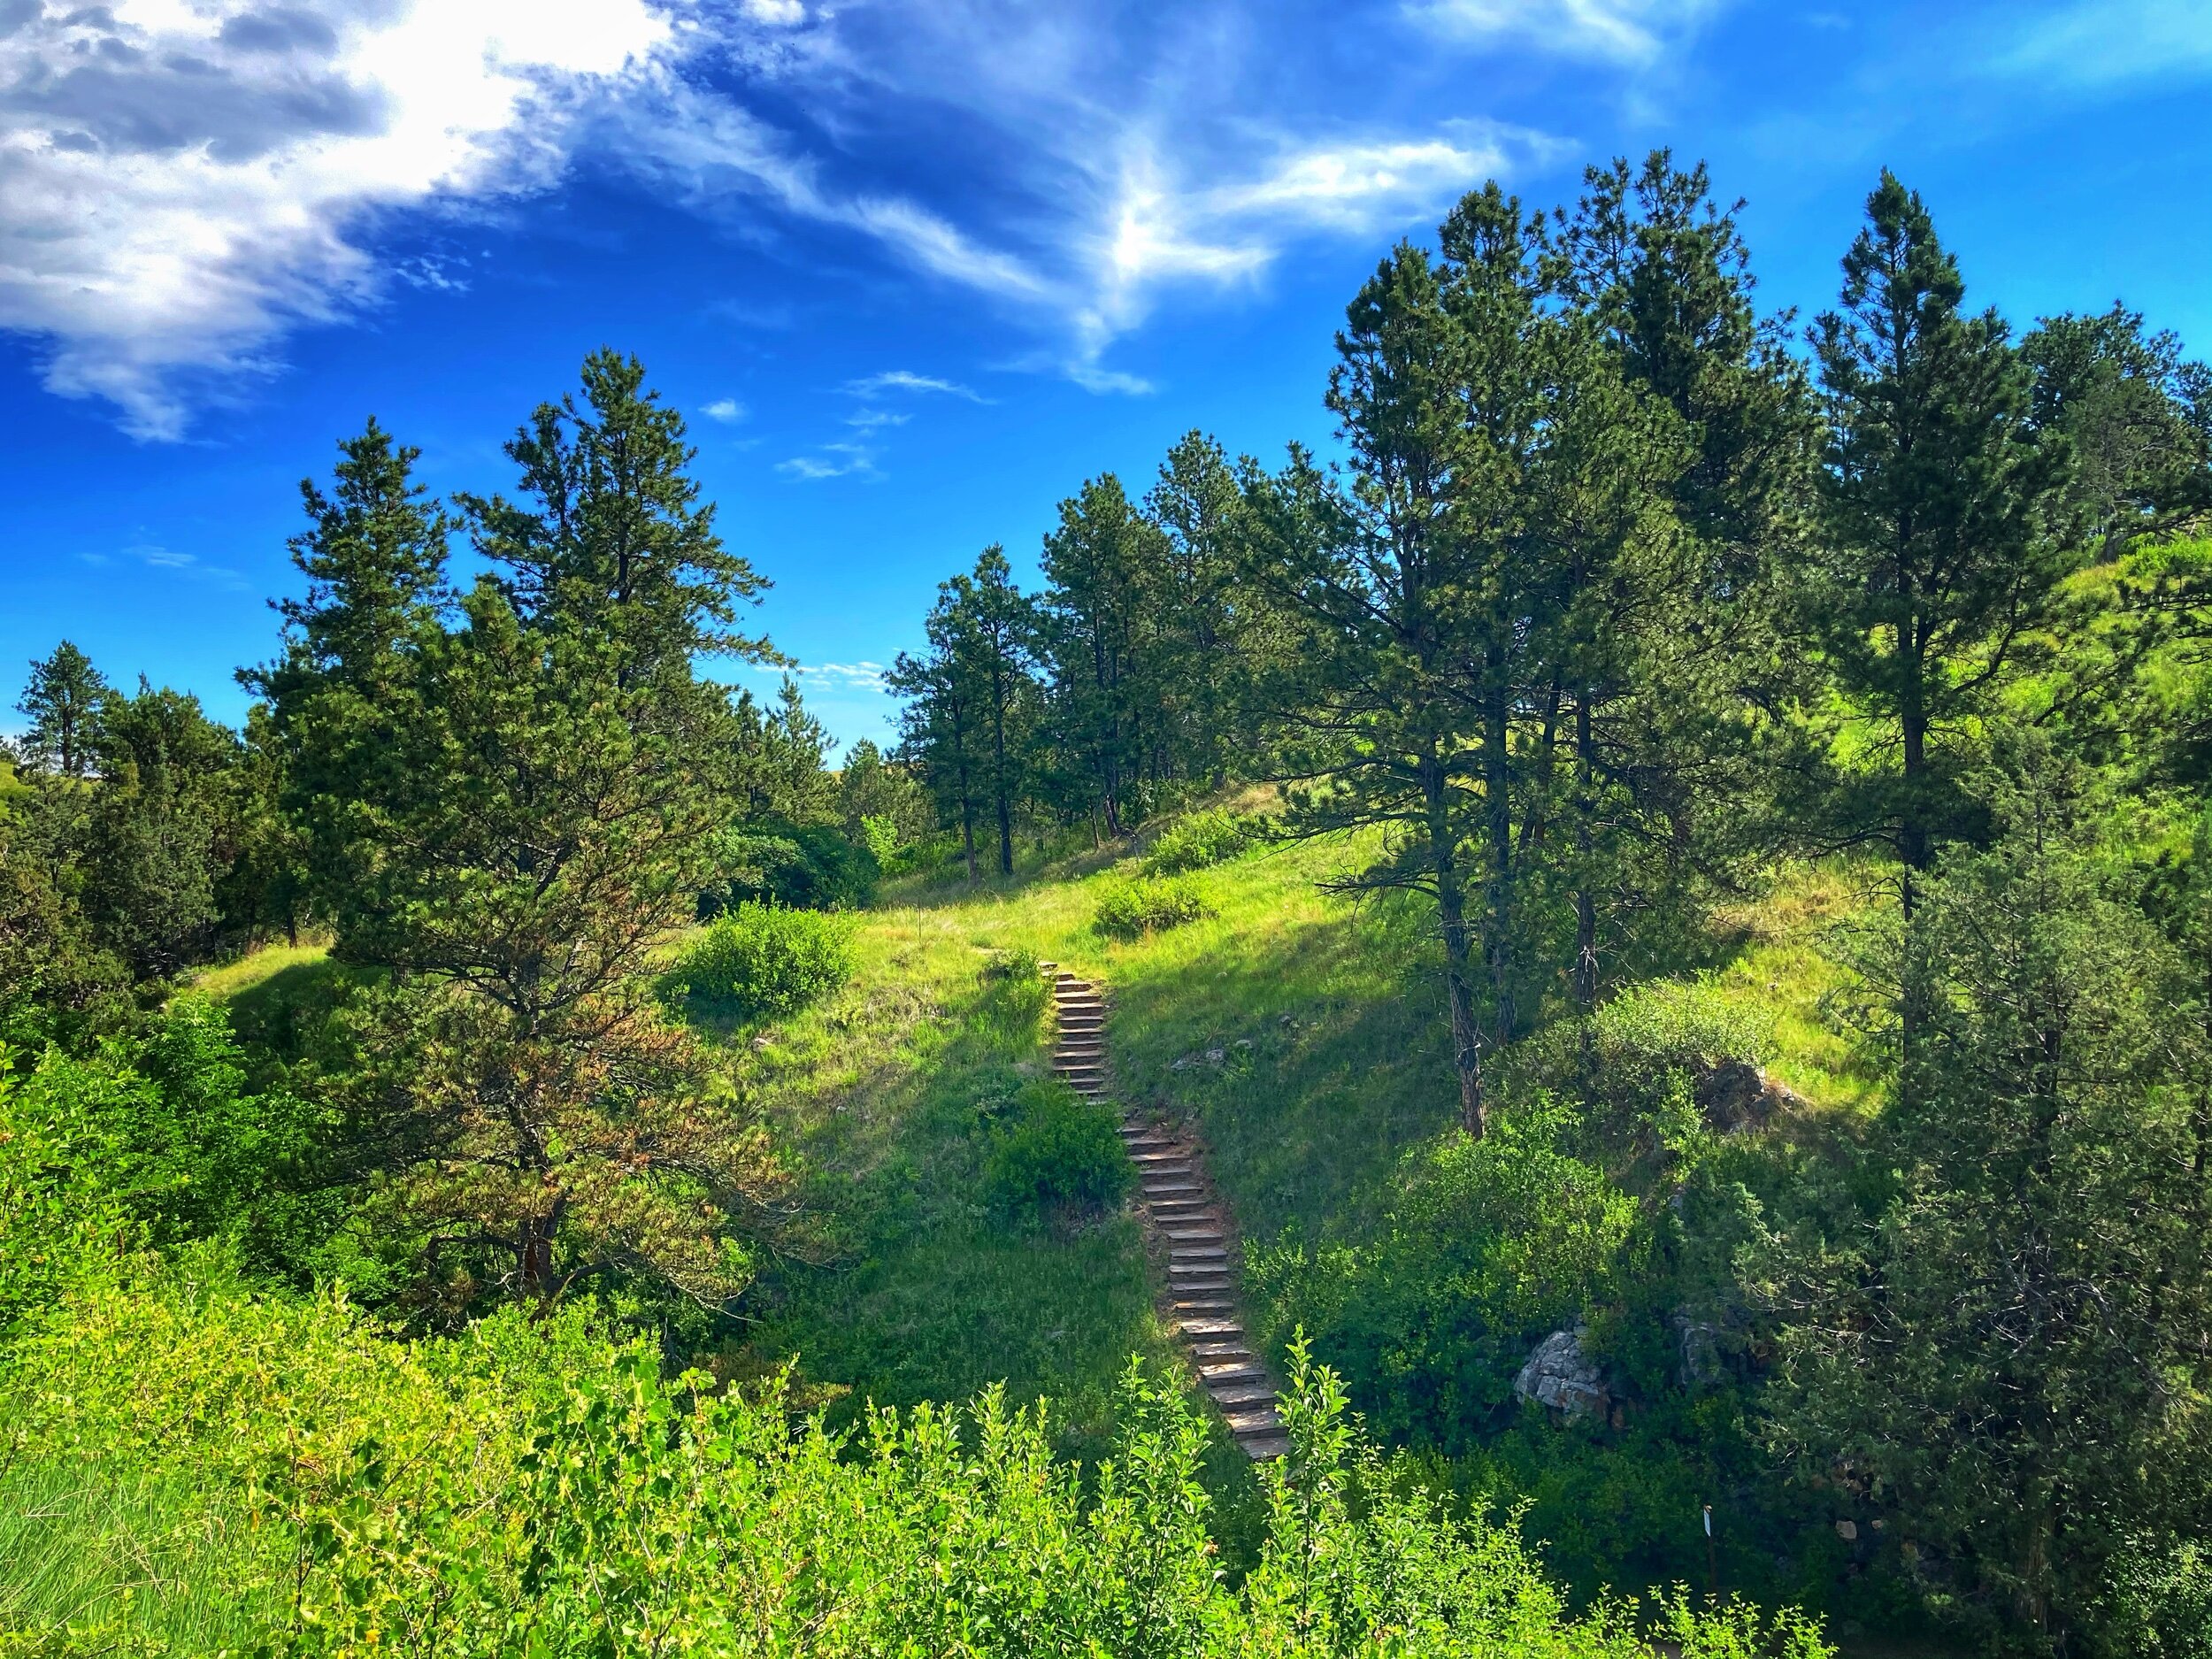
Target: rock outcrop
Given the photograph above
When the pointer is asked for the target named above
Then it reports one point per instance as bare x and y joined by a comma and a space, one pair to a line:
1560, 1378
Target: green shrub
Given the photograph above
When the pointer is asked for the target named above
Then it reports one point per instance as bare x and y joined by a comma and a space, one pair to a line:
1057, 1157
807, 867
760, 960
1149, 904
527, 1489
1203, 839
1636, 1065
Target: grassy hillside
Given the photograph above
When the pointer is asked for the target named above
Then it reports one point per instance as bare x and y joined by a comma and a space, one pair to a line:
1300, 1034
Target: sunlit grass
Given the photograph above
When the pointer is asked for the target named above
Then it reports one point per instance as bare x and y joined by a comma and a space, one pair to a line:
112, 1556
229, 980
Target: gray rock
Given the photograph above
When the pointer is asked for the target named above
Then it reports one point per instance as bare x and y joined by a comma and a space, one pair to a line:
1215, 1057
1735, 1095
1700, 1351
1560, 1378
1244, 1042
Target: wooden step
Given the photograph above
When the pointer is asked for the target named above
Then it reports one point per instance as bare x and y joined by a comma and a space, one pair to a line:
1253, 1420
1212, 1352
1229, 1376
1207, 1328
1241, 1393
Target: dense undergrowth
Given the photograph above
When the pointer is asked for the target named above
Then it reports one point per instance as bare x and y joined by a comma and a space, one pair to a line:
281, 1477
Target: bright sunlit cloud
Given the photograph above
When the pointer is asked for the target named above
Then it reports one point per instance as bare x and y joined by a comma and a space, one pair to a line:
178, 183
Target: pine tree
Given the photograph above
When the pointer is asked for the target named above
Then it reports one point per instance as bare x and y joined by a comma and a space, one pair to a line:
614, 537
1936, 554
515, 799
1101, 612
1415, 595
938, 728
374, 557
2138, 416
1216, 632
1681, 668
2007, 1352
159, 832
62, 702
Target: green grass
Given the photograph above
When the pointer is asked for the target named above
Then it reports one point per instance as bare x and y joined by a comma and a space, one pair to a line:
887, 1089
255, 971
110, 1555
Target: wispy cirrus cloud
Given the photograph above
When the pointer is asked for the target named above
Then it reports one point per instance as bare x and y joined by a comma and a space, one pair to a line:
907, 381
184, 181
155, 555
2110, 42
1617, 31
860, 676
832, 460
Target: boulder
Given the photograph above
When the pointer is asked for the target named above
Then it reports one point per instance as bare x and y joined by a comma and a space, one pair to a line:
1735, 1094
1560, 1378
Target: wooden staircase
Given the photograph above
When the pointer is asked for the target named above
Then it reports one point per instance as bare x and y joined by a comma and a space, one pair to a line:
1189, 1219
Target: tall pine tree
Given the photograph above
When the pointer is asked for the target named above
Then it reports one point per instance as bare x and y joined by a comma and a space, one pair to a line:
1936, 553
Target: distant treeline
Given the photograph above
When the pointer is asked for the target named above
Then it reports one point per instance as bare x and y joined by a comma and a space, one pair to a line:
1620, 588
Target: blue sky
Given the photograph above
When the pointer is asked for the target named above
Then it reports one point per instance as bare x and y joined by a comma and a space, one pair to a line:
912, 268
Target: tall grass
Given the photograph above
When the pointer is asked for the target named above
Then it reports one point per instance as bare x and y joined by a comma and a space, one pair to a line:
109, 1556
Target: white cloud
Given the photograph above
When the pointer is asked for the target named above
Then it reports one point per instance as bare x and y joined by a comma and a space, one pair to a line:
181, 186
862, 676
1620, 30
725, 410
1112, 181
181, 179
907, 381
1226, 232
2113, 41
873, 419
832, 460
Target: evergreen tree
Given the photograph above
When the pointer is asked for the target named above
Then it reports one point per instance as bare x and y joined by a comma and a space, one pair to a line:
375, 557
159, 832
62, 702
939, 734
1680, 674
972, 722
1419, 595
511, 813
2007, 1352
1936, 554
882, 807
1217, 634
613, 537
2138, 419
1100, 611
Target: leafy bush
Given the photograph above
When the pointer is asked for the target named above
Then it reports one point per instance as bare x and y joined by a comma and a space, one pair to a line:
806, 867
526, 1489
1203, 839
1149, 904
1056, 1156
1636, 1064
760, 959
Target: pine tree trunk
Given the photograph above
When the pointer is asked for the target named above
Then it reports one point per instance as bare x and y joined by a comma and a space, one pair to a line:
1585, 975
1451, 910
1498, 900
